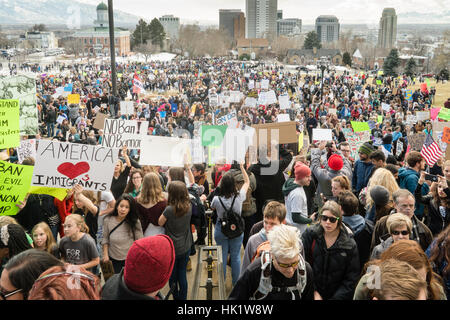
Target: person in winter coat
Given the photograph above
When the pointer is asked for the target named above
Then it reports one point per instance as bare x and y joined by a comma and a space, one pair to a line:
408, 177
73, 113
438, 203
399, 227
332, 254
148, 267
269, 178
363, 168
50, 120
295, 197
362, 228
288, 276
337, 166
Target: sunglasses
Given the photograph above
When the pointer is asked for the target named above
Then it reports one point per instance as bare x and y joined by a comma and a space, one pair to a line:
288, 265
403, 232
331, 219
4, 295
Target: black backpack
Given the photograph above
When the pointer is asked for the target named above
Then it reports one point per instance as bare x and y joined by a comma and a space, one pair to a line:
198, 209
232, 223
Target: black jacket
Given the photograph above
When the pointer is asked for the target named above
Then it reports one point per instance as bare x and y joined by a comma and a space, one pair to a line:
270, 186
336, 269
116, 289
248, 283
434, 220
39, 208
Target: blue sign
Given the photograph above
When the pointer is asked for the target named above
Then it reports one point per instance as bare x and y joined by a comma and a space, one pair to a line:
408, 95
68, 87
162, 114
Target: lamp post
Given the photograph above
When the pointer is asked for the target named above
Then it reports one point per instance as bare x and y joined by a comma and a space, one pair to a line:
322, 68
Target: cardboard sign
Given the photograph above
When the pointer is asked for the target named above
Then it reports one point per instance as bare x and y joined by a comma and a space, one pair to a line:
23, 88
284, 117
417, 140
62, 165
422, 115
446, 135
14, 184
9, 123
127, 107
26, 149
174, 153
99, 121
322, 135
360, 126
73, 99
284, 101
277, 133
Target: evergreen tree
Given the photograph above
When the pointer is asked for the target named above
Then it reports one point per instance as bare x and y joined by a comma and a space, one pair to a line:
391, 63
311, 41
157, 34
410, 69
346, 59
444, 74
141, 34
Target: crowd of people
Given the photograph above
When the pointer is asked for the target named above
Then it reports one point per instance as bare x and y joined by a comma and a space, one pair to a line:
325, 226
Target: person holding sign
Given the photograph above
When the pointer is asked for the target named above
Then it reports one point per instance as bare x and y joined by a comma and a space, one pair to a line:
120, 176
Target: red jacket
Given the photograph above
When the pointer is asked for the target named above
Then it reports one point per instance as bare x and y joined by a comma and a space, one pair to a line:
64, 209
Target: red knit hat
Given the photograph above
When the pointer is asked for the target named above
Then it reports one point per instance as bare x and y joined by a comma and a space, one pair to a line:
149, 264
301, 171
335, 162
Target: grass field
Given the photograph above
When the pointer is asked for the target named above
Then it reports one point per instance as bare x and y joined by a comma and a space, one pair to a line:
442, 92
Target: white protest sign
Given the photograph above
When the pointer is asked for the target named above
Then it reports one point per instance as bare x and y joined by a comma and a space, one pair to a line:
265, 84
322, 135
386, 107
332, 111
411, 119
213, 100
250, 102
235, 96
229, 119
262, 98
127, 107
62, 165
284, 101
224, 100
251, 84
422, 115
271, 97
234, 145
284, 117
164, 151
26, 149
366, 94
119, 126
60, 119
197, 151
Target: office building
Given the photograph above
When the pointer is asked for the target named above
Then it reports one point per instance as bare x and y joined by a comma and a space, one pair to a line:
232, 21
261, 18
171, 25
387, 34
289, 27
327, 28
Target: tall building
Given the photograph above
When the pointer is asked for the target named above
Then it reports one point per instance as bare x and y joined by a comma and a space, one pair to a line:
387, 34
171, 25
279, 14
289, 27
95, 41
232, 21
261, 18
327, 29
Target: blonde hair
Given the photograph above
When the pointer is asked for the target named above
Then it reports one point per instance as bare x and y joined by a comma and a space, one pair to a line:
381, 177
79, 221
151, 191
50, 243
343, 181
284, 241
397, 220
399, 281
5, 220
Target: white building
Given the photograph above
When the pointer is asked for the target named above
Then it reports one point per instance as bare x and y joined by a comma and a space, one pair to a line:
387, 36
327, 29
171, 25
261, 18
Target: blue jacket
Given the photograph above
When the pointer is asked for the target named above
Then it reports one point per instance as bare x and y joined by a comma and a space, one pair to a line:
408, 179
361, 174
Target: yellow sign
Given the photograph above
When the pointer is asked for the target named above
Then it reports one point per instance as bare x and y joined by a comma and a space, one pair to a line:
73, 99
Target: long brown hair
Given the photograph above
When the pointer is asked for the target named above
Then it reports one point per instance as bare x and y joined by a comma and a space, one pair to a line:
151, 191
440, 250
130, 185
178, 198
176, 174
50, 243
411, 252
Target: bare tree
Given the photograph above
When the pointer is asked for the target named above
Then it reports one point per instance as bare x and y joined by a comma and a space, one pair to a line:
147, 49
441, 58
72, 46
281, 45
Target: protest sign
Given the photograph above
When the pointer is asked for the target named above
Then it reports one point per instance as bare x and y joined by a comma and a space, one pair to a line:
14, 184
399, 149
251, 84
127, 107
265, 84
62, 165
284, 117
434, 113
213, 100
410, 119
224, 100
422, 115
417, 140
408, 95
262, 98
279, 132
284, 101
99, 121
73, 99
60, 119
360, 126
174, 153
23, 88
234, 145
438, 126
332, 111
119, 126
356, 140
197, 151
322, 135
235, 96
444, 114
386, 107
446, 135
271, 97
229, 119
379, 82
212, 135
366, 94
371, 124
26, 149
380, 119
9, 123
250, 102
58, 193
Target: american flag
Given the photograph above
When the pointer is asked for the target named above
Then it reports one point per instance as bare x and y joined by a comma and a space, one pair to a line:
431, 151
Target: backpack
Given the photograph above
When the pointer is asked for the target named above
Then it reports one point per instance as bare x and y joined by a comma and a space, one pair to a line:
249, 205
265, 283
232, 223
198, 209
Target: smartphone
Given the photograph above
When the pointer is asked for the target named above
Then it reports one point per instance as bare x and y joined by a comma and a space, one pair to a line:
431, 177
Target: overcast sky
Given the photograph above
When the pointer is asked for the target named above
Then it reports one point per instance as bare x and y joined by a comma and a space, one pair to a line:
347, 11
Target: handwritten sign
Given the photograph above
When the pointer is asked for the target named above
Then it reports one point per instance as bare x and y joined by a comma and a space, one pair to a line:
284, 117
73, 99
444, 114
417, 140
14, 184
62, 165
99, 121
229, 119
423, 115
27, 149
9, 123
408, 95
356, 140
446, 135
265, 84
322, 135
360, 126
284, 101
